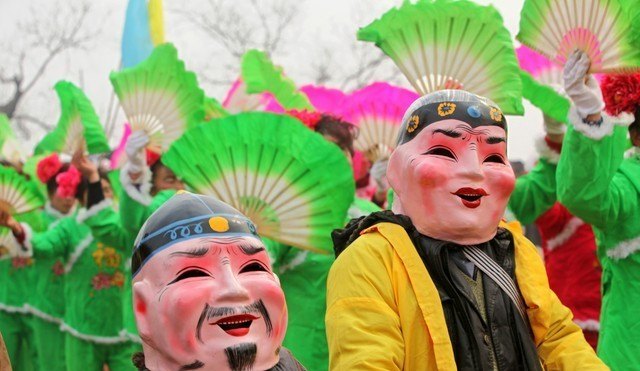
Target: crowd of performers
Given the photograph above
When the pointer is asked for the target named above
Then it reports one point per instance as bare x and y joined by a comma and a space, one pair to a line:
431, 268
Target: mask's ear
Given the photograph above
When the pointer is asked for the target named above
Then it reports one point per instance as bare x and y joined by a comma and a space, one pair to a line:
141, 300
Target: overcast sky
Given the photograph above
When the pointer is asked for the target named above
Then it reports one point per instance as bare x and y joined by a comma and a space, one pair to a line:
320, 24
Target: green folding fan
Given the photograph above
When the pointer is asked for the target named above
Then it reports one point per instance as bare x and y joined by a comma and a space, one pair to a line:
17, 194
444, 44
542, 84
261, 76
78, 126
160, 97
10, 148
5, 129
290, 181
213, 109
601, 28
30, 170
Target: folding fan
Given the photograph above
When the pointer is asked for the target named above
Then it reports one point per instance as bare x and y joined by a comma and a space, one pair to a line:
541, 80
8, 243
160, 97
290, 181
10, 148
238, 100
443, 44
17, 194
213, 109
118, 156
601, 28
377, 110
261, 76
78, 126
323, 99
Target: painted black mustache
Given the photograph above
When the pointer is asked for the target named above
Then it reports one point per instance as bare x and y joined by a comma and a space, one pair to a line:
209, 313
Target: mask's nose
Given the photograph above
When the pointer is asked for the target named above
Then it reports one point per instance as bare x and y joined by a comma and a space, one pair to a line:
230, 289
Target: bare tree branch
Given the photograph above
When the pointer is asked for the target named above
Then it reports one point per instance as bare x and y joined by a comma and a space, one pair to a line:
48, 33
23, 117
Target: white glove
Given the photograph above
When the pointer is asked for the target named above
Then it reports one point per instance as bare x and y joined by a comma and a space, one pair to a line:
583, 89
379, 174
553, 127
135, 151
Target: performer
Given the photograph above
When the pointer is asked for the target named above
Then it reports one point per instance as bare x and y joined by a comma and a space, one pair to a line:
303, 273
204, 293
568, 243
147, 184
602, 188
440, 282
18, 277
94, 279
47, 300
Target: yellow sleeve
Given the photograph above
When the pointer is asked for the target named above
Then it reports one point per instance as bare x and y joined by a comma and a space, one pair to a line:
363, 326
564, 346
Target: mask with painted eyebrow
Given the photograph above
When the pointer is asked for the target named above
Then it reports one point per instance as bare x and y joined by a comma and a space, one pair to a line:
195, 309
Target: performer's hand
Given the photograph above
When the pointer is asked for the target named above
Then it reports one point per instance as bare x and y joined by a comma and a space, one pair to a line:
7, 220
582, 88
88, 169
135, 151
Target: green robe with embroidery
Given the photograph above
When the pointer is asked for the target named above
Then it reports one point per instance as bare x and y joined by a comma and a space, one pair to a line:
602, 188
94, 278
18, 275
48, 300
303, 276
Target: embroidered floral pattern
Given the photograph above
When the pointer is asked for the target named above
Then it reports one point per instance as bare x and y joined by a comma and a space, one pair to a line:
58, 268
20, 263
106, 256
414, 121
446, 109
495, 114
101, 281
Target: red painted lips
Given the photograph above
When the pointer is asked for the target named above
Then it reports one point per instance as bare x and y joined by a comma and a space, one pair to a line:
238, 325
470, 197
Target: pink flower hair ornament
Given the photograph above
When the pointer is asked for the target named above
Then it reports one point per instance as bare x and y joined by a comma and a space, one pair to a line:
48, 167
68, 182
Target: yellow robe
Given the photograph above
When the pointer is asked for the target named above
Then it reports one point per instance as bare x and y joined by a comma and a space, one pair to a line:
384, 311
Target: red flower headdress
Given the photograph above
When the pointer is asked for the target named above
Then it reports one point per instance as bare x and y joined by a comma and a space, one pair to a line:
308, 118
48, 167
621, 93
68, 182
152, 157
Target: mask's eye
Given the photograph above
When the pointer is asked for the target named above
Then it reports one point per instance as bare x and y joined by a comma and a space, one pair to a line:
190, 273
495, 159
441, 151
253, 267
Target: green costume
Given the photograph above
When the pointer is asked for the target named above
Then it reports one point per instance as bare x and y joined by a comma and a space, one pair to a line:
602, 188
17, 283
47, 304
535, 192
303, 276
136, 205
93, 288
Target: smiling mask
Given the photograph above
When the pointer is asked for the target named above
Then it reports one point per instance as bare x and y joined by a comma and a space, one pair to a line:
205, 297
450, 172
